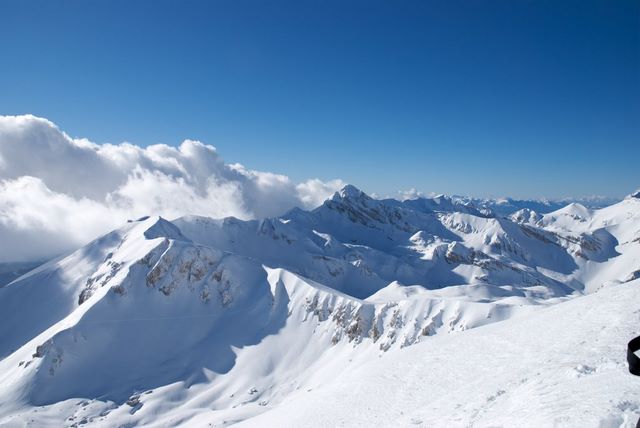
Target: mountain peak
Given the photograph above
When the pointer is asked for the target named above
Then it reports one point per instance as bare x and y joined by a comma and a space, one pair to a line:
350, 192
635, 194
158, 227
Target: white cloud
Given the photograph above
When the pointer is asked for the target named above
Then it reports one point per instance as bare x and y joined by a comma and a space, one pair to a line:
313, 192
412, 193
37, 223
57, 193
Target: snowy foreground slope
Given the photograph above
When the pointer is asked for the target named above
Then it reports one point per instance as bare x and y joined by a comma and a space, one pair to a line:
562, 366
359, 312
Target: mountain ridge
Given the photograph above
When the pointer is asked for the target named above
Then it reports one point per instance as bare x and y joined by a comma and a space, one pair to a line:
245, 314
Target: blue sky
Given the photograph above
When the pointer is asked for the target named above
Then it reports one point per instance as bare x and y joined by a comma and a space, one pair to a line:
520, 98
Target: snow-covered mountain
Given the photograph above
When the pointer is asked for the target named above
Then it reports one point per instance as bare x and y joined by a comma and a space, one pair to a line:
335, 310
506, 206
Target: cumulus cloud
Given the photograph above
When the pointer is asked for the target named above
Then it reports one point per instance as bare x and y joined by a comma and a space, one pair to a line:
57, 192
412, 193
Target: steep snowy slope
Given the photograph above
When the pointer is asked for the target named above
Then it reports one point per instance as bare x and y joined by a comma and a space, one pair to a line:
204, 321
562, 366
606, 241
159, 310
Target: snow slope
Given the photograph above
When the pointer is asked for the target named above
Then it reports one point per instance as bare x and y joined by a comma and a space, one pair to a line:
201, 321
562, 366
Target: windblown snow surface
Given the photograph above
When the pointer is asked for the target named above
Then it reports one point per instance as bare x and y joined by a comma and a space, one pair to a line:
362, 312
